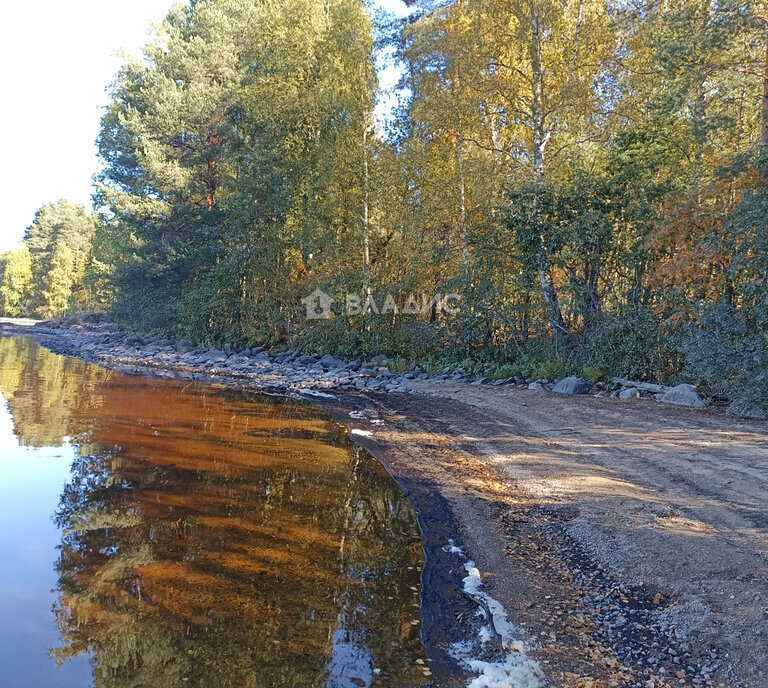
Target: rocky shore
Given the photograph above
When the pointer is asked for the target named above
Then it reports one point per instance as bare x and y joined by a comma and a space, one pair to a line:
291, 373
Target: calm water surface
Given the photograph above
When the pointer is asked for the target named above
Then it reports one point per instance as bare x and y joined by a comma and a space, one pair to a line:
161, 535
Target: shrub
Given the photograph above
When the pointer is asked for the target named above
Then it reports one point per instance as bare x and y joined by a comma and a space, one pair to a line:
552, 369
594, 374
634, 345
727, 352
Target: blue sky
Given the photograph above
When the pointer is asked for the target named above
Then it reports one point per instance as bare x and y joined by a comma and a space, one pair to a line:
59, 58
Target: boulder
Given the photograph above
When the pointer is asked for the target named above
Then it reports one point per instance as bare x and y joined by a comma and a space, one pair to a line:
574, 385
537, 387
741, 408
643, 386
213, 356
185, 346
685, 395
629, 393
329, 362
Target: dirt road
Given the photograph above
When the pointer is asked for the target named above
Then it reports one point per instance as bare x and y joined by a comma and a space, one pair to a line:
629, 538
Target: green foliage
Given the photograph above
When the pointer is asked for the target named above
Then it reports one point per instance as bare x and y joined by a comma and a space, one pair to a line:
47, 276
727, 352
16, 280
588, 197
595, 374
551, 370
58, 280
634, 345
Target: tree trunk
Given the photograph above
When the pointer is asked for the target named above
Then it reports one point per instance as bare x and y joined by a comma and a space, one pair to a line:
460, 152
764, 132
590, 306
560, 333
212, 175
462, 202
366, 197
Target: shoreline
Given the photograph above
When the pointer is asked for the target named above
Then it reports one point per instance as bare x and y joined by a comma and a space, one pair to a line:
498, 483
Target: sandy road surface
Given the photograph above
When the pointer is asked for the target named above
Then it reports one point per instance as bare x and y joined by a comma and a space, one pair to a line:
630, 538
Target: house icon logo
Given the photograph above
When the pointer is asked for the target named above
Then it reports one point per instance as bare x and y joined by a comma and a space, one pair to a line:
318, 305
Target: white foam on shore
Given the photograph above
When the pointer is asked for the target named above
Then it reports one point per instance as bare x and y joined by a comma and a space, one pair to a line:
512, 673
450, 547
516, 670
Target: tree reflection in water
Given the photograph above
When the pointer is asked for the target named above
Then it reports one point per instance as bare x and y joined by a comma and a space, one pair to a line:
216, 539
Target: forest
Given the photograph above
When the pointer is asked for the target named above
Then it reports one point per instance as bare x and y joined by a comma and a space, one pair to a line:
588, 176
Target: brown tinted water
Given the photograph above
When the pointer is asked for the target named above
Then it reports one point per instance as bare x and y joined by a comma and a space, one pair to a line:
159, 535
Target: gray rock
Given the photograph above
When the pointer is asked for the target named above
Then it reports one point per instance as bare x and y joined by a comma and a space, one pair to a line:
643, 386
629, 393
359, 384
741, 408
537, 387
329, 362
685, 395
574, 385
213, 356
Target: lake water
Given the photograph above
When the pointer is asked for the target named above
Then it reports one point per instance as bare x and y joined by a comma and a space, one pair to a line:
155, 534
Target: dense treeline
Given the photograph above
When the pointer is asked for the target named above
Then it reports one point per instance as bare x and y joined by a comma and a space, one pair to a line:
46, 277
589, 176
